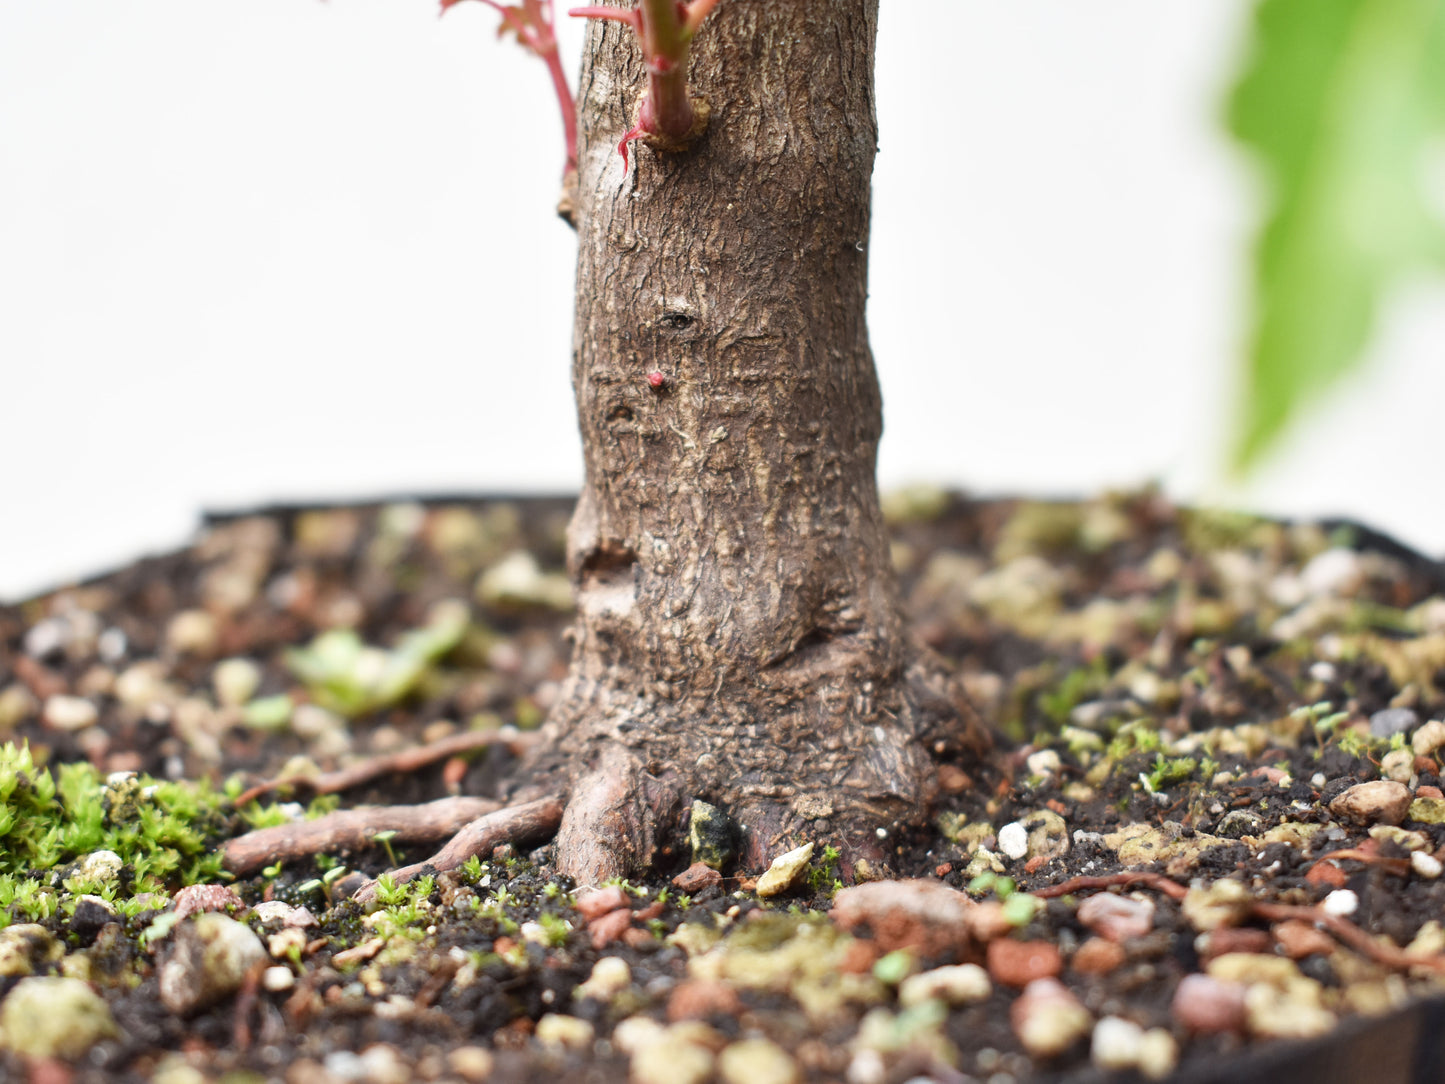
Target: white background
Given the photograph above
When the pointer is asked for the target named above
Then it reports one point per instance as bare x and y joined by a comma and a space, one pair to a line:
291, 250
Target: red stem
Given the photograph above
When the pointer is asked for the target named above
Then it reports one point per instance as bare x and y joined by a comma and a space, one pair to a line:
664, 48
565, 101
617, 15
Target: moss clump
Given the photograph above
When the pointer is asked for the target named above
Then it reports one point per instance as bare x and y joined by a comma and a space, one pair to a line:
160, 832
1169, 771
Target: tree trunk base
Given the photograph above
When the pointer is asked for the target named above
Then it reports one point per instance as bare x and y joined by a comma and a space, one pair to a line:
841, 761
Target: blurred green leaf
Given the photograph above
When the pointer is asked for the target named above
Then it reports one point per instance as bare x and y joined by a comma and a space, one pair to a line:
1343, 104
350, 677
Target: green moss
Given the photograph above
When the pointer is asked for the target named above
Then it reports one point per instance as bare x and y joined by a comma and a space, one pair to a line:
555, 928
1354, 743
162, 832
1077, 686
1170, 771
823, 875
1138, 736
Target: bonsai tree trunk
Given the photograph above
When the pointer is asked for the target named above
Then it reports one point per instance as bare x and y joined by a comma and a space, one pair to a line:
738, 637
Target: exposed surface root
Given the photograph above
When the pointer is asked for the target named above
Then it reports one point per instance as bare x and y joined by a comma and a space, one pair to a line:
522, 825
404, 760
618, 820
1345, 931
1157, 881
353, 829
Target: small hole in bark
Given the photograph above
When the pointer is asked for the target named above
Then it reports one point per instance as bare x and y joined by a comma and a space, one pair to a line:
608, 558
608, 582
810, 642
620, 413
676, 321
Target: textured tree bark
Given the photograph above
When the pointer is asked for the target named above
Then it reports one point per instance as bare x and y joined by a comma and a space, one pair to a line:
738, 638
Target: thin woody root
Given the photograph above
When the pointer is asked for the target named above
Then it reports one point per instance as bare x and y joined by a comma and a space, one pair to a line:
401, 762
353, 830
520, 825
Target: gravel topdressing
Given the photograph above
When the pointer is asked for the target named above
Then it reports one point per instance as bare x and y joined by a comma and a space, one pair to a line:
1210, 843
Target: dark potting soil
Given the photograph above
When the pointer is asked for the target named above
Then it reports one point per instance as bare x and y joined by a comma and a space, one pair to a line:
1184, 701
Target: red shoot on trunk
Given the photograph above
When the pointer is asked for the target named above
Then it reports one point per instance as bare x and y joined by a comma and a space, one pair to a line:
667, 117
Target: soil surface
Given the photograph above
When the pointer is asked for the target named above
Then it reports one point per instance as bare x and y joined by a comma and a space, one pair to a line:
1209, 846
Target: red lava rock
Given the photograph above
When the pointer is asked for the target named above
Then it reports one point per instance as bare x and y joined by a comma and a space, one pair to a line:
1018, 963
1233, 939
1057, 806
1272, 775
515, 1036
1117, 918
196, 898
652, 910
1298, 939
697, 999
49, 1071
1205, 1004
859, 957
503, 945
926, 916
1097, 957
1033, 864
1327, 873
1427, 791
609, 927
601, 901
943, 869
1380, 801
635, 938
696, 877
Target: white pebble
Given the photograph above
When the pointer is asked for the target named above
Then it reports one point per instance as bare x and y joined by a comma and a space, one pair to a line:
1116, 1043
1045, 762
111, 647
236, 681
1426, 865
1013, 840
277, 978
1334, 572
70, 713
46, 636
1428, 738
1340, 902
